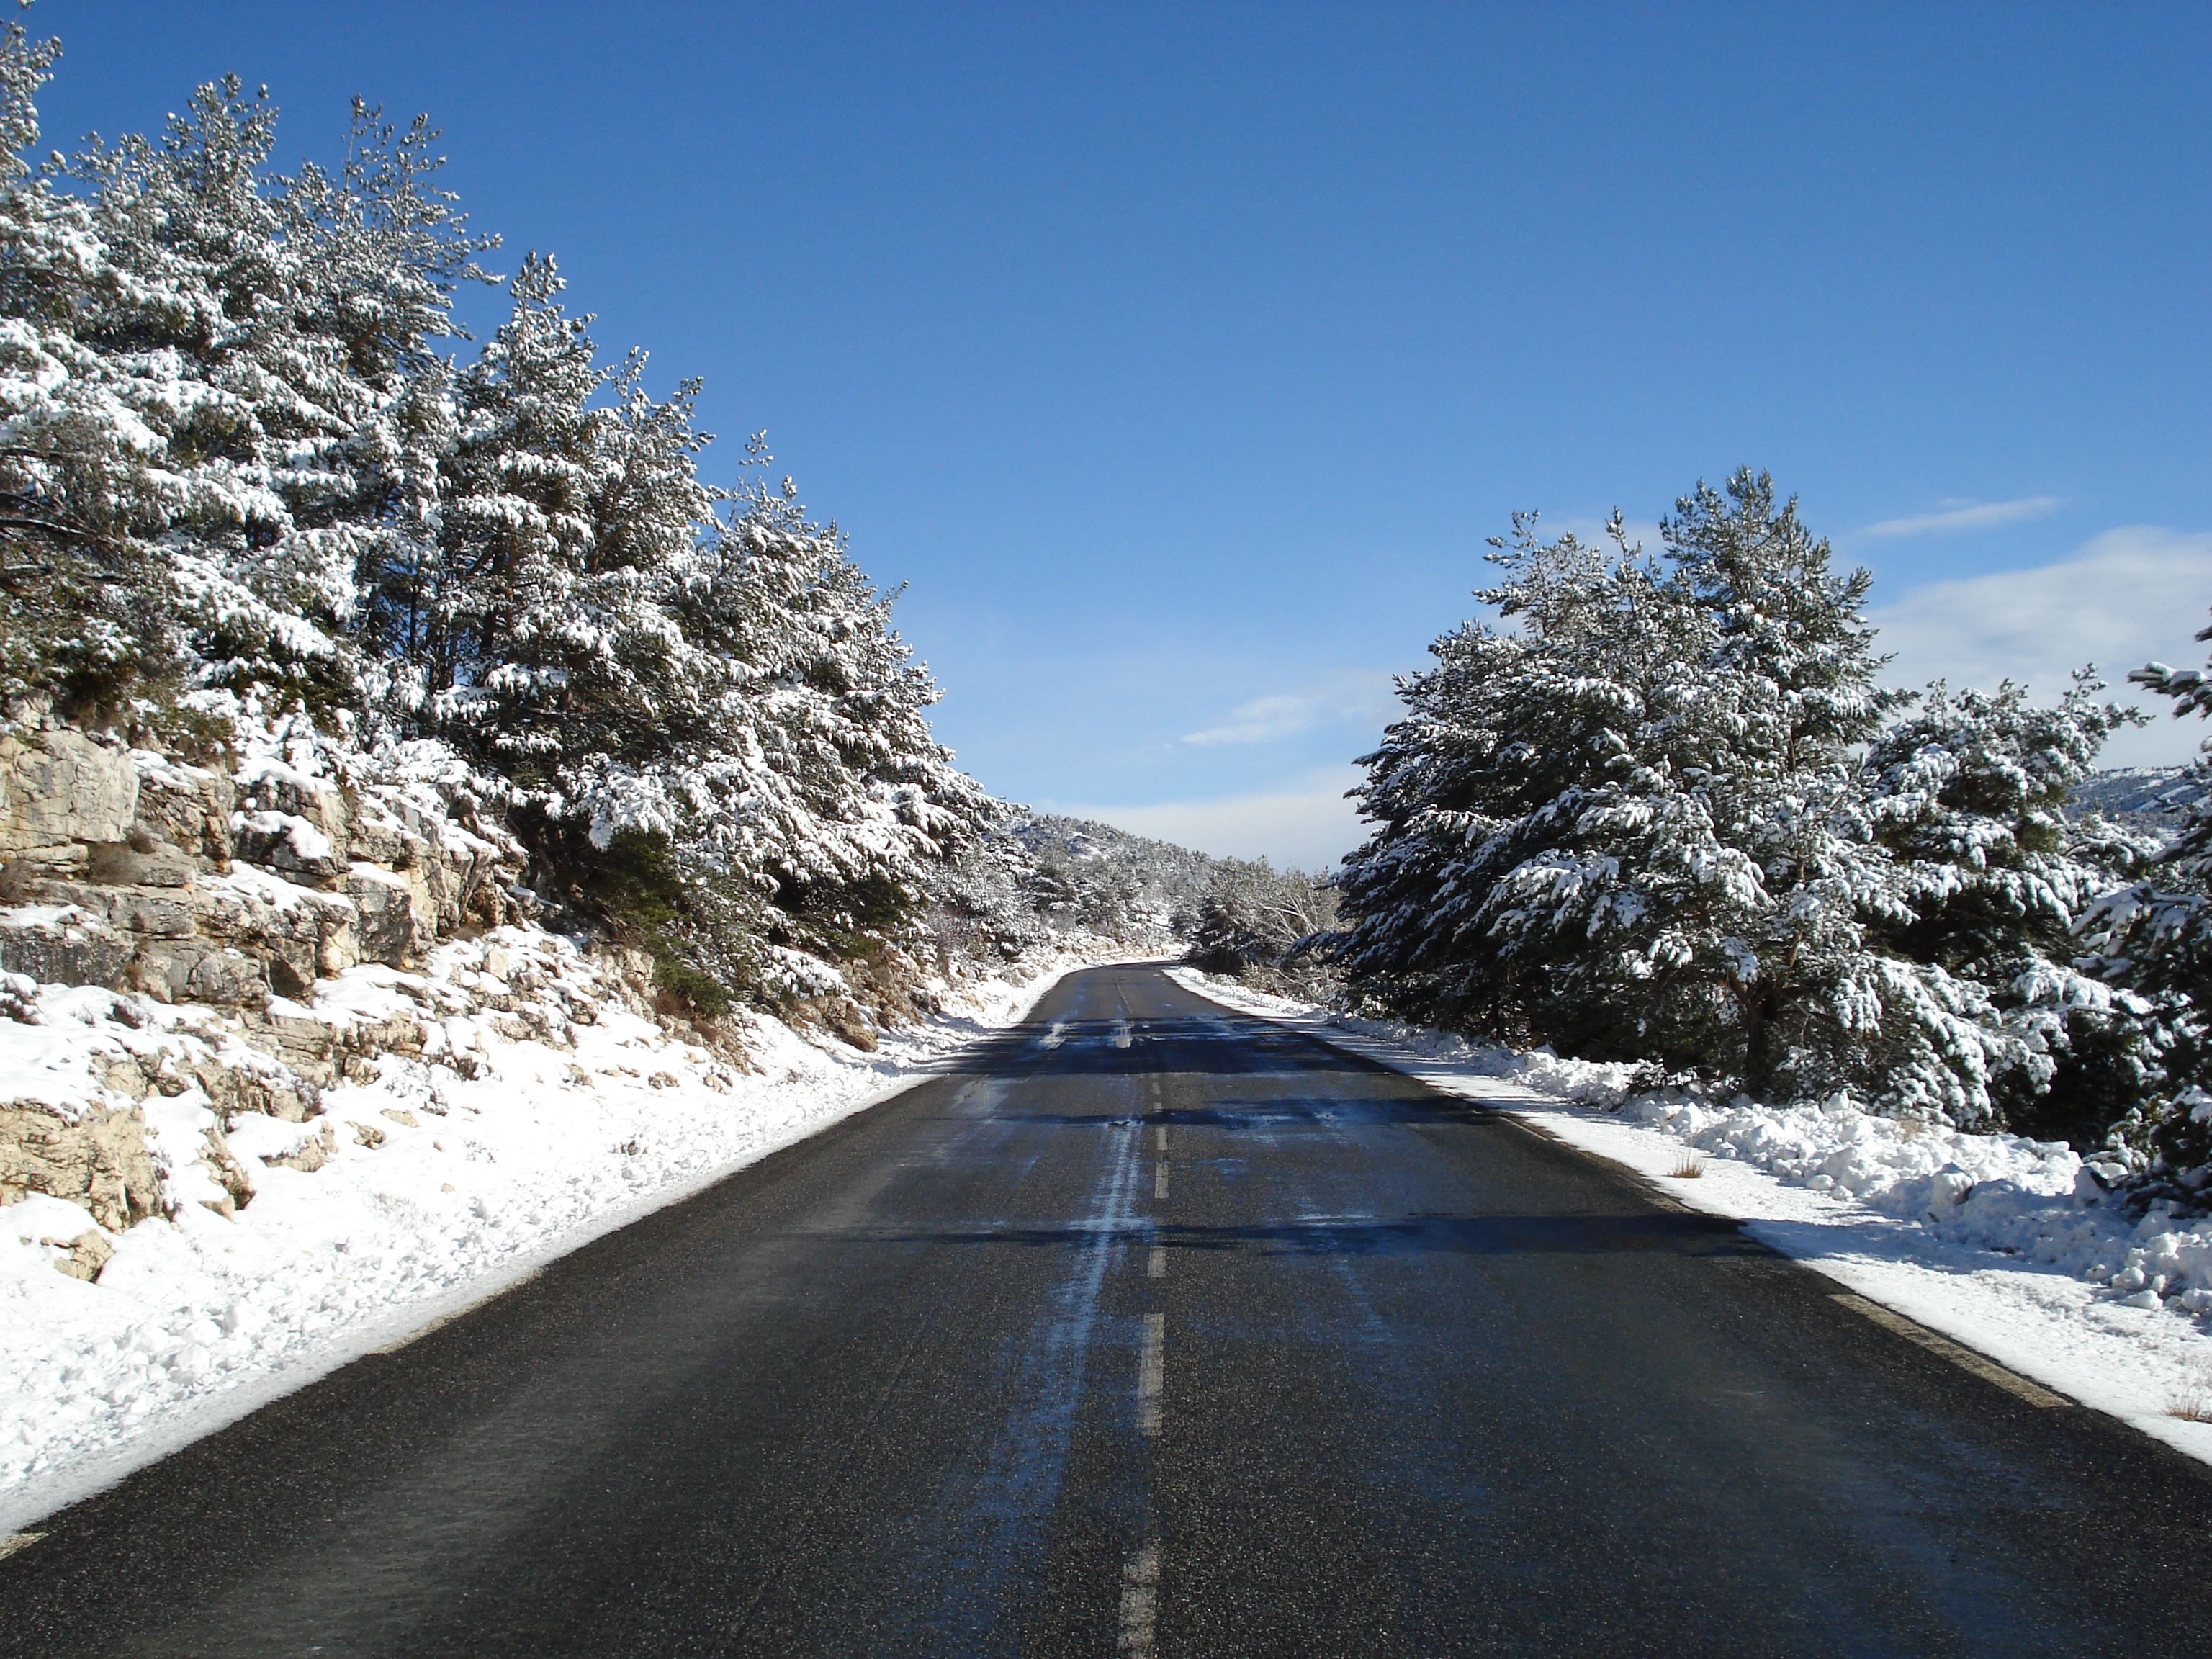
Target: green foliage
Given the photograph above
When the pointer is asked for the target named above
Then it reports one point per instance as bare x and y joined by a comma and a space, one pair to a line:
240, 467
1253, 918
1666, 819
638, 886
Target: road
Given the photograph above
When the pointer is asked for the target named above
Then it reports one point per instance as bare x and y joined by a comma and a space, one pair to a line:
1151, 1329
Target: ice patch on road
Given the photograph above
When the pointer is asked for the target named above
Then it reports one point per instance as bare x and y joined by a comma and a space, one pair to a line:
1999, 1241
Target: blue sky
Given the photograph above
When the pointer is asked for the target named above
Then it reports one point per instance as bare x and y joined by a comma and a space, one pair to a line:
1180, 358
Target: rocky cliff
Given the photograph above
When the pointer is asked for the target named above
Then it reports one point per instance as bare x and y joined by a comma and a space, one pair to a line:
207, 908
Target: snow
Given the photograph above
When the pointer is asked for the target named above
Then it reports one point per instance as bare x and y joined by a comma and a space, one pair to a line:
449, 1178
2003, 1244
306, 841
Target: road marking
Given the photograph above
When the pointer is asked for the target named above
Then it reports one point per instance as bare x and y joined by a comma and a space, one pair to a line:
1160, 1181
1162, 1142
1140, 1580
1964, 1358
444, 1320
18, 1541
1121, 1034
1151, 1368
1156, 1266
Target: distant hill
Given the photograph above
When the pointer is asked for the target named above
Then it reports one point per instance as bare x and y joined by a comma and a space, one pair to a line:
2145, 796
1157, 881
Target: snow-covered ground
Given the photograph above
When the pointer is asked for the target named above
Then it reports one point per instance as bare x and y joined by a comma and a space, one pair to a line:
2004, 1243
448, 1179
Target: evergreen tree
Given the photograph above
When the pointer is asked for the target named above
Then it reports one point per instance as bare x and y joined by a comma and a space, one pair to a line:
1635, 828
88, 606
1970, 794
1254, 917
287, 323
2152, 939
792, 773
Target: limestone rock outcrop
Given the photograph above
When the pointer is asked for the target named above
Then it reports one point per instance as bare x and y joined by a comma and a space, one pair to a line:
139, 870
229, 884
100, 1162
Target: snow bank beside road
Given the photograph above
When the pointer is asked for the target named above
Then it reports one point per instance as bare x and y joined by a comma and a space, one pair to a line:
2002, 1242
433, 1183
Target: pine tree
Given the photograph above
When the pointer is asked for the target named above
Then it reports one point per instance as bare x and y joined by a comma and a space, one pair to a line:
288, 320
1970, 794
2152, 939
1634, 828
1253, 918
791, 776
2156, 934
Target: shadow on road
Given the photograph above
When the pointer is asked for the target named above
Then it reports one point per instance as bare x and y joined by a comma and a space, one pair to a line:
1491, 1235
1106, 1047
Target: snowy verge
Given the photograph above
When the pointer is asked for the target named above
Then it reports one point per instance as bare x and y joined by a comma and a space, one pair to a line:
438, 1182
2003, 1244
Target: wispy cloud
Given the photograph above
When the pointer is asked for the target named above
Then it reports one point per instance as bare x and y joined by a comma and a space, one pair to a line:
1966, 515
1352, 695
2129, 596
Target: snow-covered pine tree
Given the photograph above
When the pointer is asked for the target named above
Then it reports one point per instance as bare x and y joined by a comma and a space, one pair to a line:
560, 518
2153, 937
1254, 916
87, 606
854, 793
1484, 780
1969, 793
287, 323
980, 912
794, 781
1633, 829
2156, 933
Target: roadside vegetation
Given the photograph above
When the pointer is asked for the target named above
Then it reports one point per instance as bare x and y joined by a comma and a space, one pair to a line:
257, 486
1662, 811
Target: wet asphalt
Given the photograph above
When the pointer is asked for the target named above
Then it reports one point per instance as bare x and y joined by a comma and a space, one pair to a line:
1148, 1328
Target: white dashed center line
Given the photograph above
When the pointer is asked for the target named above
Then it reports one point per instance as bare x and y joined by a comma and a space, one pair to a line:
1140, 1578
1152, 1366
1160, 1181
1156, 1266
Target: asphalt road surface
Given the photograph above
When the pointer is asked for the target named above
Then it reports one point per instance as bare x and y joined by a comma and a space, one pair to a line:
1150, 1328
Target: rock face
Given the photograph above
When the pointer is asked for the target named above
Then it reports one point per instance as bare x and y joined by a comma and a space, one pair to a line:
61, 793
136, 870
100, 1162
232, 887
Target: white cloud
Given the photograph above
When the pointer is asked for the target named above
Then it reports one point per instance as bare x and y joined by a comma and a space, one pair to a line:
2130, 596
1350, 694
1966, 516
1310, 824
